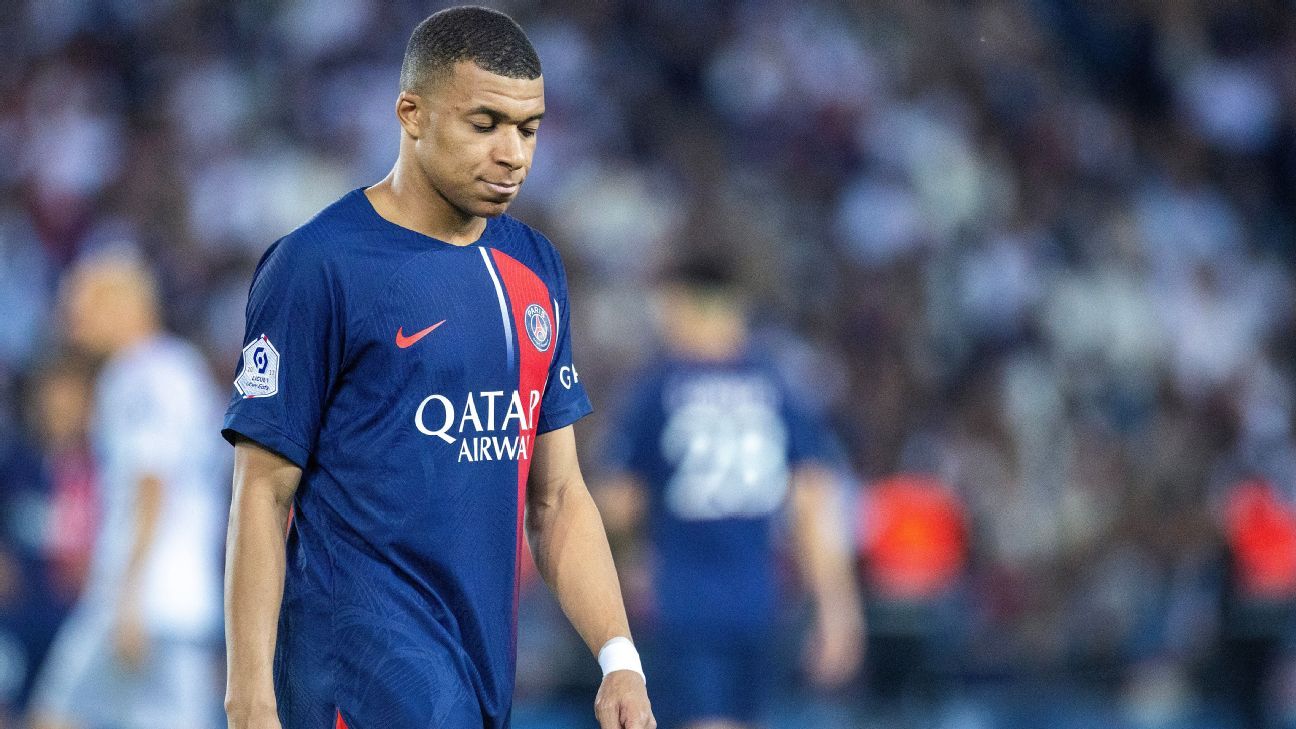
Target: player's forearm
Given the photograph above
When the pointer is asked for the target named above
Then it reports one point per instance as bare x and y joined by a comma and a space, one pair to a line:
254, 576
822, 551
147, 507
254, 579
571, 551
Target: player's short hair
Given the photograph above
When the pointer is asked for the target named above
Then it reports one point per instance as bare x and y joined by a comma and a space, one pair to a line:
488, 38
704, 273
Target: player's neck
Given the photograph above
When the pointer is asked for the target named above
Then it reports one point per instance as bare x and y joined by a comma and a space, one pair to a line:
710, 344
132, 334
408, 201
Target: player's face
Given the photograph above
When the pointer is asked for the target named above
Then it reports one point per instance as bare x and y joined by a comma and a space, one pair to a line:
89, 309
480, 136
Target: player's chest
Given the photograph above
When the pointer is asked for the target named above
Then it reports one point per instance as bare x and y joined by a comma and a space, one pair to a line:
464, 317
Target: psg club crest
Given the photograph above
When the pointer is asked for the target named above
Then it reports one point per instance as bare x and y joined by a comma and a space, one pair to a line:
538, 328
260, 374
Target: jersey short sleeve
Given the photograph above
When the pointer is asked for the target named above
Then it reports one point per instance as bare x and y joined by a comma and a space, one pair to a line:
633, 444
809, 438
565, 400
293, 351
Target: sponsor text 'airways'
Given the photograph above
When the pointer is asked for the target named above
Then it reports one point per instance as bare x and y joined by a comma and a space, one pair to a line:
481, 424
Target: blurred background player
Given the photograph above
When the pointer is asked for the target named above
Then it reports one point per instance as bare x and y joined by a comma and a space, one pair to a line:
713, 452
49, 511
60, 410
138, 649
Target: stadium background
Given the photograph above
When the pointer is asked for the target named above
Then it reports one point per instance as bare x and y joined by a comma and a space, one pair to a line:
1036, 255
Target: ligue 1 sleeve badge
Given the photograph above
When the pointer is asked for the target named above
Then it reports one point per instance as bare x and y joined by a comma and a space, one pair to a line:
260, 374
538, 328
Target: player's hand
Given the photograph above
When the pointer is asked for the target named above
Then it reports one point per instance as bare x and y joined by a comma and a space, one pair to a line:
836, 648
130, 638
622, 702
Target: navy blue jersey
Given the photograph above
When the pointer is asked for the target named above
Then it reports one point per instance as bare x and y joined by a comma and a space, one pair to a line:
408, 378
714, 443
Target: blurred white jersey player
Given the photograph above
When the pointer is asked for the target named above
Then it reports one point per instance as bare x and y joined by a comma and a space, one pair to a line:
139, 650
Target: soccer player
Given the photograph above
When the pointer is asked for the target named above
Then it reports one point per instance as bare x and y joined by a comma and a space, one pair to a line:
139, 650
404, 407
711, 452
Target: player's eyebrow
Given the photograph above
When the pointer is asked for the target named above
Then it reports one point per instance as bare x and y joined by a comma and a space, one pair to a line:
498, 116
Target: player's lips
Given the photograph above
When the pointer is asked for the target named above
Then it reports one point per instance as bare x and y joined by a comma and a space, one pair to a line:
503, 188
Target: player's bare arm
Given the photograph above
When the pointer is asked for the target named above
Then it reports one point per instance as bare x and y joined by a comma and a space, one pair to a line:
264, 484
571, 551
837, 641
131, 638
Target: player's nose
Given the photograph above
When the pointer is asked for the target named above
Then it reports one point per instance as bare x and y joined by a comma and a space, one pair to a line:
511, 151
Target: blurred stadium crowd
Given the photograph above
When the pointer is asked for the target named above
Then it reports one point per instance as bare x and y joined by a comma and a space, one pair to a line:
1034, 258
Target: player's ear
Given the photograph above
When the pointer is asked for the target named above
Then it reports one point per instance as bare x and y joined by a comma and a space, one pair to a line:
408, 111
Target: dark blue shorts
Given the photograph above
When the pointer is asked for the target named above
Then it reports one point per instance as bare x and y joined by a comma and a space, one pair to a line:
694, 675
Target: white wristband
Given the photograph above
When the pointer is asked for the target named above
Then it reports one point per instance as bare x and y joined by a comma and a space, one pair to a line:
619, 654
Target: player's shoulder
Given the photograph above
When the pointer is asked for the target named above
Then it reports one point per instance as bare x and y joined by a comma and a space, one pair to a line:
172, 351
510, 228
319, 247
528, 245
648, 379
329, 233
164, 365
785, 379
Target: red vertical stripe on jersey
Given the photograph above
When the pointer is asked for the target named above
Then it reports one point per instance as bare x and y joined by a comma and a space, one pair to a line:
340, 723
525, 288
